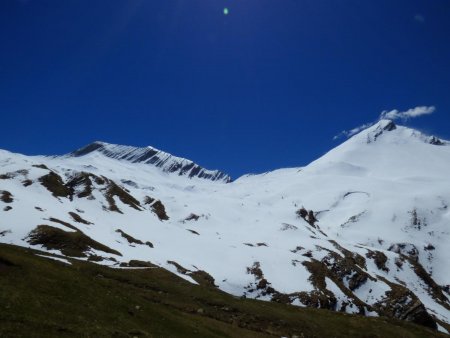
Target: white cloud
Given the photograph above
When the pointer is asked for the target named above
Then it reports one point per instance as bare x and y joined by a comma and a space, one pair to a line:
409, 114
354, 131
390, 115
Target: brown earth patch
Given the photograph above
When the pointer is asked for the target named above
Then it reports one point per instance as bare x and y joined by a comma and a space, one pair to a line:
75, 244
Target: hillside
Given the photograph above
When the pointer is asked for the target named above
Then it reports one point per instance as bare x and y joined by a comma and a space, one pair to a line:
46, 296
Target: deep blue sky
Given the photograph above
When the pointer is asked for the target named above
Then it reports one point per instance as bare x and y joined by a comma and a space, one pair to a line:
264, 87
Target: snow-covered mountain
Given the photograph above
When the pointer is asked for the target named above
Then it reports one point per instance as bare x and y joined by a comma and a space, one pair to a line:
363, 229
149, 155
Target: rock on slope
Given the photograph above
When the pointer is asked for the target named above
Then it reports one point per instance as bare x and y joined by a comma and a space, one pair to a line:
364, 229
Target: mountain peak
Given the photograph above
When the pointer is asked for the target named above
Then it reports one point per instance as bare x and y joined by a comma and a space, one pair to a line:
396, 133
152, 156
379, 129
386, 124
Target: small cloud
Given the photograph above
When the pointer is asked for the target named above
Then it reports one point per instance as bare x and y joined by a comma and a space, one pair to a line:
354, 131
409, 114
419, 18
390, 115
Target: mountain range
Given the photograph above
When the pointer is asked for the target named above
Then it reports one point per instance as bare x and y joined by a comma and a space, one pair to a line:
364, 229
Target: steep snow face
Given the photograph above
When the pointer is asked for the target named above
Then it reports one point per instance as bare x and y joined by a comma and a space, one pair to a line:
364, 229
149, 155
388, 151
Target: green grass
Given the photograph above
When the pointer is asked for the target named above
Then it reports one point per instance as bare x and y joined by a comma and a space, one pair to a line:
40, 297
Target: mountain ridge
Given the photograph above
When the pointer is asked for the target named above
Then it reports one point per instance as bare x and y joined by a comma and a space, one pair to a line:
150, 155
363, 229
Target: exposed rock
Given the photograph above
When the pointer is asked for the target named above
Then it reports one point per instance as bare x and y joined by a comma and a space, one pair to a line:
429, 247
389, 126
401, 303
55, 184
75, 244
157, 207
308, 216
82, 184
201, 277
416, 221
433, 288
130, 183
10, 175
379, 258
192, 217
406, 249
133, 240
77, 218
134, 263
435, 141
5, 232
261, 285
113, 190
40, 166
297, 249
6, 196
353, 219
27, 183
70, 226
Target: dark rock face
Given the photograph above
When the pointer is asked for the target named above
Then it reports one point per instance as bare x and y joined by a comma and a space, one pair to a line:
347, 272
167, 162
157, 207
200, 276
87, 149
55, 184
435, 141
113, 190
83, 182
75, 244
406, 249
390, 126
308, 216
402, 304
6, 196
379, 258
131, 240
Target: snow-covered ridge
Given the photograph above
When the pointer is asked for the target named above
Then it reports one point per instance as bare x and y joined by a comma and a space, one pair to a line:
149, 155
386, 150
383, 127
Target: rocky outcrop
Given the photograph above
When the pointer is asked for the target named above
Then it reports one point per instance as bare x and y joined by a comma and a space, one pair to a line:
74, 243
401, 303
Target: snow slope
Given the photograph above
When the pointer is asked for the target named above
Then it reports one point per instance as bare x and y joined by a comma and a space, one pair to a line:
363, 229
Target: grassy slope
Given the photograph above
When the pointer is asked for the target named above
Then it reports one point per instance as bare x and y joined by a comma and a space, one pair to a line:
40, 297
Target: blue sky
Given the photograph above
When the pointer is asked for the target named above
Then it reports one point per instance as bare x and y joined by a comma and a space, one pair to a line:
267, 86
